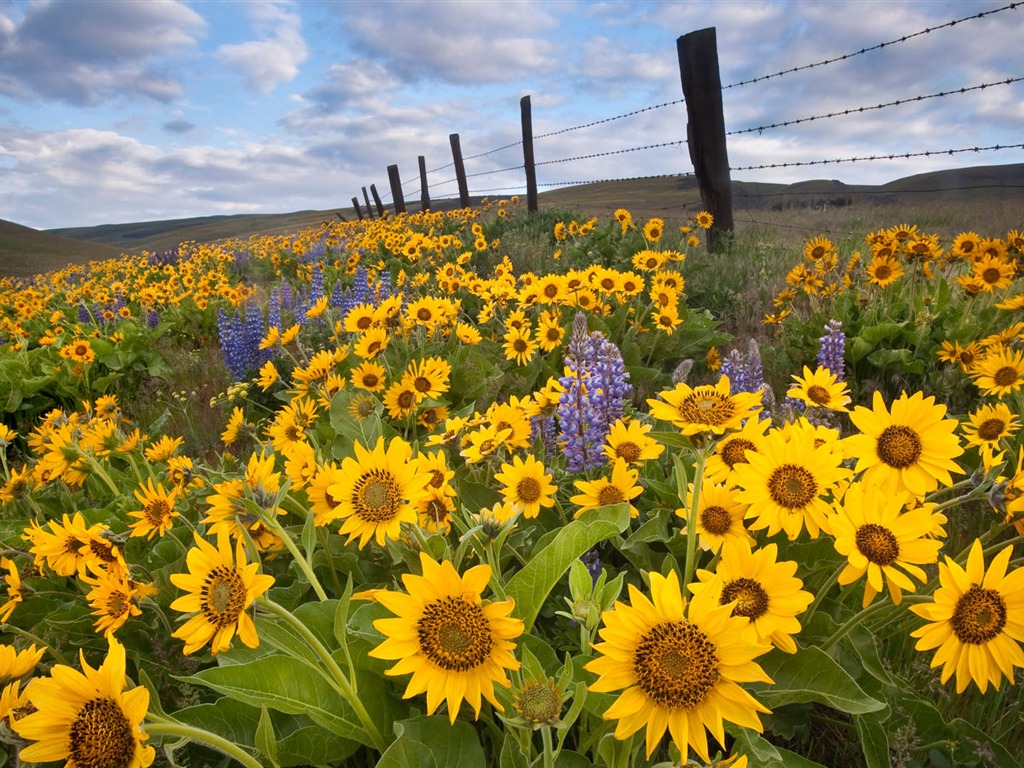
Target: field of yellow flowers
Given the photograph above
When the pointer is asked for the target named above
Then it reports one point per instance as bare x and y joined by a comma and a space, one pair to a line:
386, 493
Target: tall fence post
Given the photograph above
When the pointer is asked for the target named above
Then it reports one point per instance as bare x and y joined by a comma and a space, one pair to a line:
705, 129
460, 170
359, 213
531, 171
366, 199
424, 193
396, 189
377, 202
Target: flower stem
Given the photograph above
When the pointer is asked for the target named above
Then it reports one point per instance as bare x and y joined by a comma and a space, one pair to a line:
212, 740
270, 520
822, 591
339, 678
549, 752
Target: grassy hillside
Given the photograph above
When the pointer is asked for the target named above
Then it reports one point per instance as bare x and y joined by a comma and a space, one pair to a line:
764, 210
25, 251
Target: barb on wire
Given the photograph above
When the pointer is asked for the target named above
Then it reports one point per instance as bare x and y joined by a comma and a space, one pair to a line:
609, 119
492, 151
499, 170
902, 39
613, 152
739, 194
891, 156
856, 110
602, 181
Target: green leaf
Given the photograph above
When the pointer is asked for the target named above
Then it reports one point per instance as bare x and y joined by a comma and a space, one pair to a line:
231, 719
764, 754
312, 745
511, 752
309, 536
902, 360
266, 740
874, 740
812, 675
433, 742
287, 685
531, 586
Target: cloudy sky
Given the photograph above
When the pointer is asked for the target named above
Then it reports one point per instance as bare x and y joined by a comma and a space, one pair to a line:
133, 110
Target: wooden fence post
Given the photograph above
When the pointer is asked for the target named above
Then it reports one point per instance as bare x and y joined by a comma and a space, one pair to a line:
377, 202
366, 199
460, 170
396, 189
424, 193
355, 204
531, 171
705, 129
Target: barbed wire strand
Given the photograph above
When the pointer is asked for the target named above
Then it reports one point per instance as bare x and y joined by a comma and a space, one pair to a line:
857, 110
609, 119
614, 152
879, 46
889, 156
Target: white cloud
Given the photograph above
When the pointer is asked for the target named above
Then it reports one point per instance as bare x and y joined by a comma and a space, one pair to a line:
273, 59
87, 53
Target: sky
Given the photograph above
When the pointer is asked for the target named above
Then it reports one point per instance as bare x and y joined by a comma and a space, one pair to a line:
116, 111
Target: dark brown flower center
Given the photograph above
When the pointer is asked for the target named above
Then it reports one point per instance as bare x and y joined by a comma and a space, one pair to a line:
750, 597
528, 490
628, 450
899, 446
878, 544
709, 408
101, 736
610, 494
454, 634
818, 394
676, 665
734, 451
792, 486
222, 596
716, 520
1006, 376
376, 496
979, 616
991, 429
539, 703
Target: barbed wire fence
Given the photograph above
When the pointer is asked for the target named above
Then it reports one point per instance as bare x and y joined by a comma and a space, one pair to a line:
430, 187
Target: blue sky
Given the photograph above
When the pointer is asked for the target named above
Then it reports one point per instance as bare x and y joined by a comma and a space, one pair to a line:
135, 110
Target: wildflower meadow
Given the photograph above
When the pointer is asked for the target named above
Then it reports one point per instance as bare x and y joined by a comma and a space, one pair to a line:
405, 492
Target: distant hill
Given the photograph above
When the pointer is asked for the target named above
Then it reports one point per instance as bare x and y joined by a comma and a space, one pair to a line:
25, 251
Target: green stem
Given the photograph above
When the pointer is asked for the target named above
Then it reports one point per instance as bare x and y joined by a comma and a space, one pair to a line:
341, 680
101, 474
38, 641
549, 751
691, 519
270, 520
867, 613
212, 740
822, 591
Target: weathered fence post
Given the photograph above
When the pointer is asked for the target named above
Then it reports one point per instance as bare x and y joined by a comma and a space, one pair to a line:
705, 129
531, 171
366, 199
424, 193
359, 213
377, 202
396, 189
460, 170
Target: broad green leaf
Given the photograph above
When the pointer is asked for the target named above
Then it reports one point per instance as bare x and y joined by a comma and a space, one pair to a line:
874, 740
266, 739
231, 719
965, 738
812, 675
512, 752
763, 754
433, 742
902, 360
312, 745
285, 684
531, 586
569, 759
309, 536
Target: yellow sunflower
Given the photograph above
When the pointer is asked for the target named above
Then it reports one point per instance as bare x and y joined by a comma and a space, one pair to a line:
630, 441
653, 229
719, 516
526, 485
704, 220
157, 513
378, 491
820, 389
878, 538
786, 484
221, 585
369, 376
989, 424
706, 408
761, 589
12, 580
113, 599
731, 449
455, 644
519, 345
680, 666
999, 373
912, 448
621, 487
883, 271
976, 620
87, 718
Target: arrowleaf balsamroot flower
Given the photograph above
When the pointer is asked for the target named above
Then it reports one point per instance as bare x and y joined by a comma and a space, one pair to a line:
87, 718
910, 448
221, 585
976, 621
680, 667
455, 644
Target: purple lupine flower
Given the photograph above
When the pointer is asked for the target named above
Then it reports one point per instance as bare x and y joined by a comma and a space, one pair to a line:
832, 353
595, 390
274, 309
83, 313
543, 428
152, 319
316, 284
746, 373
592, 559
361, 290
337, 294
287, 296
231, 332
